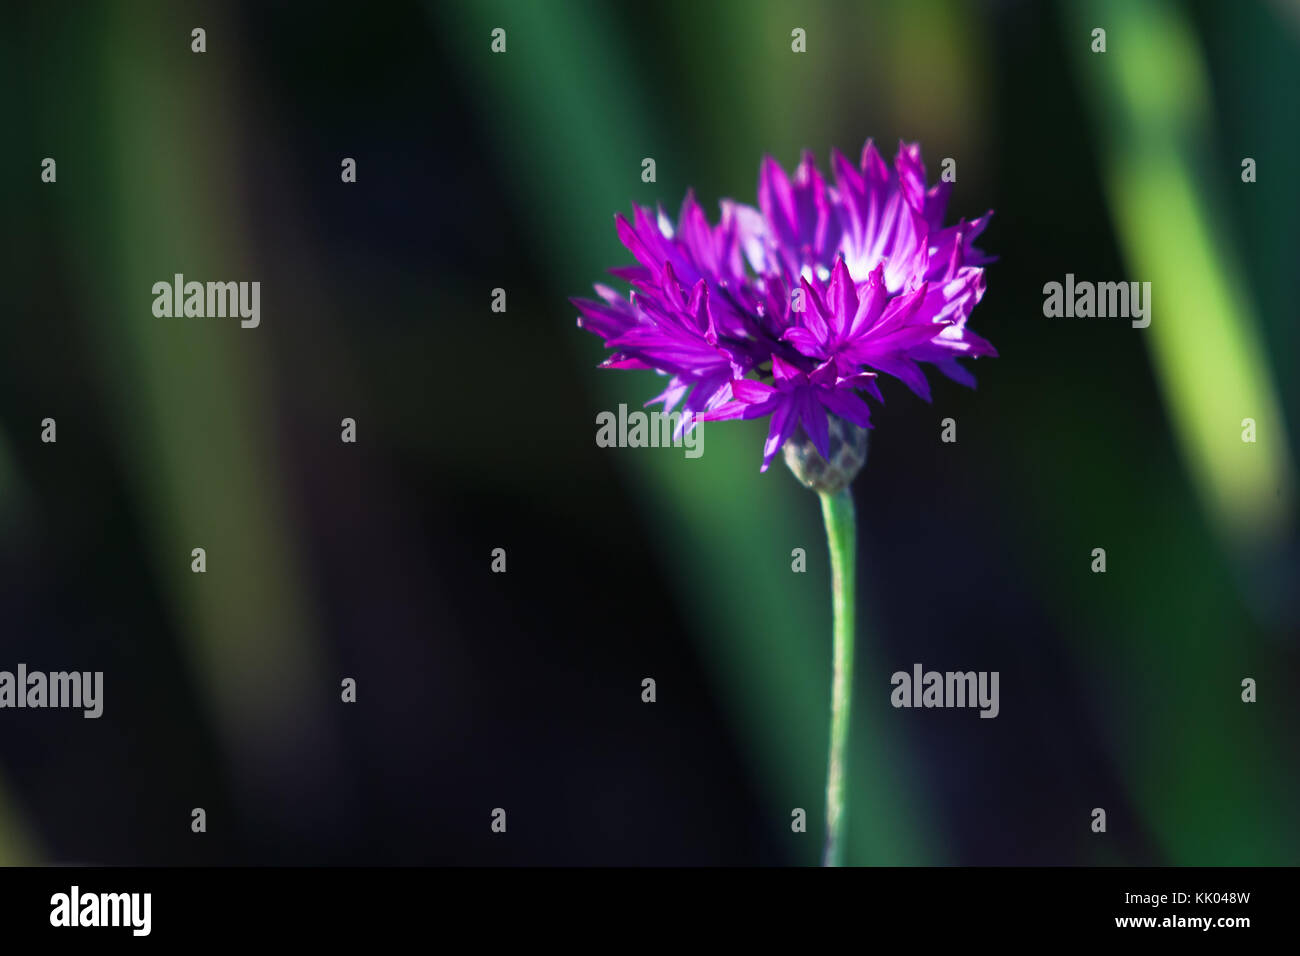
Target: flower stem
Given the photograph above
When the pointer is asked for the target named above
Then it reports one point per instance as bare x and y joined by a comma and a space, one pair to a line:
841, 532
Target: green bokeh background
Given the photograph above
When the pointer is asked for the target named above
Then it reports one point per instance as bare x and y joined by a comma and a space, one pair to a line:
1122, 165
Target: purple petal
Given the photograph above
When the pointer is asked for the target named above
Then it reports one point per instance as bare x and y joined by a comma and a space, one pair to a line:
776, 200
813, 418
841, 298
749, 391
847, 406
803, 340
782, 427
787, 374
911, 175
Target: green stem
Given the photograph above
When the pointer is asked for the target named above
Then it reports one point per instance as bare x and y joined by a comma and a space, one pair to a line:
841, 532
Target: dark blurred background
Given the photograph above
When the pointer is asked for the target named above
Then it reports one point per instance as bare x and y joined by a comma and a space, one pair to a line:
476, 431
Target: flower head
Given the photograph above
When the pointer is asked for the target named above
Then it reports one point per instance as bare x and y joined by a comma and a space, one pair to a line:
789, 310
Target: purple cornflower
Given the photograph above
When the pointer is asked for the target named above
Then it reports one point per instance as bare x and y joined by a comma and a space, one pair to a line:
790, 309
